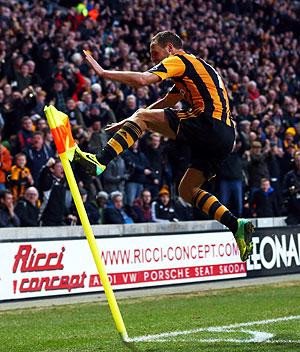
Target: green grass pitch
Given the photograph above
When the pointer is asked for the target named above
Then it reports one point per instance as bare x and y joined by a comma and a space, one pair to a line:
262, 318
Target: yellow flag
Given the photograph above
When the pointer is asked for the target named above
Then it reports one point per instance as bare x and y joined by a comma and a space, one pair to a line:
61, 131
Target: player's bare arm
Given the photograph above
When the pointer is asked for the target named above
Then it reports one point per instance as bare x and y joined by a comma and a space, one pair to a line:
134, 79
168, 101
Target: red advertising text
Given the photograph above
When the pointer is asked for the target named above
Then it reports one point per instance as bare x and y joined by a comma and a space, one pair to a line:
30, 260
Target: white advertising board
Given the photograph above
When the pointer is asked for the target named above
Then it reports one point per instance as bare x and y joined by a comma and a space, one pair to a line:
60, 267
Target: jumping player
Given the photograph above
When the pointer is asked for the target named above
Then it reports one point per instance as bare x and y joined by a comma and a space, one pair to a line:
206, 126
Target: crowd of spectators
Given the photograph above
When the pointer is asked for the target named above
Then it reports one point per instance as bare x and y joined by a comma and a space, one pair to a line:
253, 44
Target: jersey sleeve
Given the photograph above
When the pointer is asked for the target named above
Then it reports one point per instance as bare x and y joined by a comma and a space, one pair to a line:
170, 67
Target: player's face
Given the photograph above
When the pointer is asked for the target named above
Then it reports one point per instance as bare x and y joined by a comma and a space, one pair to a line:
158, 53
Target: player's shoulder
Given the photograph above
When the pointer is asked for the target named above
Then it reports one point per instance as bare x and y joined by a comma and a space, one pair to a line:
171, 59
185, 54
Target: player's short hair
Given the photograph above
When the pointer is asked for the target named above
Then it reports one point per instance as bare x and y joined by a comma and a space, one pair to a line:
165, 37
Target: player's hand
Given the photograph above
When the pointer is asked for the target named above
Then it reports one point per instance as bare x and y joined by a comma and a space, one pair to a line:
94, 64
114, 127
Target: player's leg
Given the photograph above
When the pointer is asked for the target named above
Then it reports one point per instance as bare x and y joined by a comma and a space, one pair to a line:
190, 190
124, 138
211, 142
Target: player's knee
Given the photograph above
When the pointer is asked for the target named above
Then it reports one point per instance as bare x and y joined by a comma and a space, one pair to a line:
139, 117
140, 114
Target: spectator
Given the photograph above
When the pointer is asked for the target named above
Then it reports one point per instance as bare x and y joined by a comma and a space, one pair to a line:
90, 208
101, 200
274, 161
35, 80
74, 114
243, 113
23, 78
263, 83
257, 165
27, 208
41, 124
85, 103
140, 170
231, 180
271, 133
289, 136
142, 206
100, 113
129, 109
244, 127
115, 175
59, 95
98, 138
265, 201
24, 136
153, 151
287, 161
53, 188
291, 192
5, 165
40, 102
253, 92
142, 99
45, 64
113, 99
48, 140
37, 155
8, 217
183, 210
20, 177
116, 214
163, 210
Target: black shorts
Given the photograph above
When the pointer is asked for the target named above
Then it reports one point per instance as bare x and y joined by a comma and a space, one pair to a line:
210, 140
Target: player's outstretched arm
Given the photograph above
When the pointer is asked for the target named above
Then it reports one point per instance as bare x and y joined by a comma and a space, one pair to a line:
135, 79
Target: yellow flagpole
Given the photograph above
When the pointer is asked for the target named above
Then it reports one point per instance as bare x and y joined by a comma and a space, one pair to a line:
53, 116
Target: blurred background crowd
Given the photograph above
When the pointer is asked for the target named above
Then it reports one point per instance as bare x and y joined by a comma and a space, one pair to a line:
253, 44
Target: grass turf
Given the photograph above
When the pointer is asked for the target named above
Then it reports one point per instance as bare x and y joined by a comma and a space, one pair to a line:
89, 327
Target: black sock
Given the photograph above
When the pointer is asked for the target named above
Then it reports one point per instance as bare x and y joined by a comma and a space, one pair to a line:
121, 140
210, 205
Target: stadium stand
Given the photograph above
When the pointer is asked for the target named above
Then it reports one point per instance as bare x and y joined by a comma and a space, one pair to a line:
253, 44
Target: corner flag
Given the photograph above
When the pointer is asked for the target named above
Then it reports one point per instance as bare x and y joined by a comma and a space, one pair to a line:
65, 144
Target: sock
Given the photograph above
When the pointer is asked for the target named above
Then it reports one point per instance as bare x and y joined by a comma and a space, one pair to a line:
210, 205
121, 140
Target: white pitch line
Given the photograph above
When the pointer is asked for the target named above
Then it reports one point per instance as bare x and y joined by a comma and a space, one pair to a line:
235, 341
257, 336
165, 335
284, 341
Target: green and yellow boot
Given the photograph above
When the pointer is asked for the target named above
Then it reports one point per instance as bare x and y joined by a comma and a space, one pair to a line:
243, 238
89, 162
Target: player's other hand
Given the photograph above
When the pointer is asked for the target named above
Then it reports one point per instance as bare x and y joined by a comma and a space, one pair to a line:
114, 127
94, 64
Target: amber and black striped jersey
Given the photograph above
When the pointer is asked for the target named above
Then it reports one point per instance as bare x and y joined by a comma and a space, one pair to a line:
198, 83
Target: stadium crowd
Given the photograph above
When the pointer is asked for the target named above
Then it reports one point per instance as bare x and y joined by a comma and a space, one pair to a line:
253, 44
